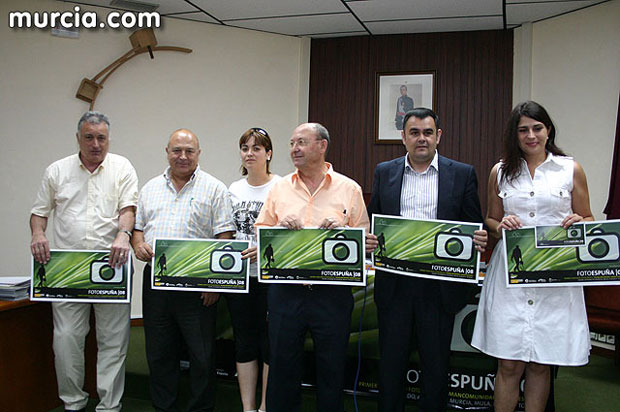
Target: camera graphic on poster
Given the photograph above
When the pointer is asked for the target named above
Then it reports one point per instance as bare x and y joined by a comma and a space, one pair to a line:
463, 329
226, 260
454, 245
599, 247
102, 272
340, 250
573, 233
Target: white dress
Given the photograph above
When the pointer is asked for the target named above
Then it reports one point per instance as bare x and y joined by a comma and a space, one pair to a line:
546, 325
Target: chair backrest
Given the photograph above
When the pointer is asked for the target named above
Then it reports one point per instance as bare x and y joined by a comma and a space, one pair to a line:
603, 297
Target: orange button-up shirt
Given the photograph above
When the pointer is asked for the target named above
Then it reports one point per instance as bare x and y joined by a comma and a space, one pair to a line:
337, 197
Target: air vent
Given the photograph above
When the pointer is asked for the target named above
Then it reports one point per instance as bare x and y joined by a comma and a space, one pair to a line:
134, 5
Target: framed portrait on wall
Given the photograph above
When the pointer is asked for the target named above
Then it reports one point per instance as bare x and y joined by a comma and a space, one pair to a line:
395, 94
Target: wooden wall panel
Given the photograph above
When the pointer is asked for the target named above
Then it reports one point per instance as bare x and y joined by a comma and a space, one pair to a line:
474, 95
339, 92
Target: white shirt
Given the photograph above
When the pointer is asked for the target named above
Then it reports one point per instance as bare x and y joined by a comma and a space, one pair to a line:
247, 201
86, 206
420, 190
552, 181
201, 209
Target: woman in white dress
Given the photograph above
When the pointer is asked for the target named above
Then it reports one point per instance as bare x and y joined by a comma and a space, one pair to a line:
248, 312
529, 329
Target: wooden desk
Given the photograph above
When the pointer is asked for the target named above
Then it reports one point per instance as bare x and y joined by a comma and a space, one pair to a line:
27, 374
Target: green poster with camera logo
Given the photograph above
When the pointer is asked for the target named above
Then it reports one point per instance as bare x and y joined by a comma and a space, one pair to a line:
80, 276
557, 236
595, 262
202, 265
311, 256
434, 249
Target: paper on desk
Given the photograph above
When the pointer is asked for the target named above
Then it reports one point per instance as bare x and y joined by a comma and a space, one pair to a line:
8, 281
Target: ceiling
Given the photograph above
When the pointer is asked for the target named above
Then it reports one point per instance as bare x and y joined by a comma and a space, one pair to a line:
337, 18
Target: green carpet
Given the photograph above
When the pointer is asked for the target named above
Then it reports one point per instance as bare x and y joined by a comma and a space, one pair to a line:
593, 388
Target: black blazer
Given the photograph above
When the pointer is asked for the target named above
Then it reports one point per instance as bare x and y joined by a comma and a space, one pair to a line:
457, 200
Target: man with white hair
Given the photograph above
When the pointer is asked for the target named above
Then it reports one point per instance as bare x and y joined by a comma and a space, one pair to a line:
92, 196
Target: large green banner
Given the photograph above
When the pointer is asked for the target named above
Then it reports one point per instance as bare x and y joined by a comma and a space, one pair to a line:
203, 265
434, 249
311, 256
80, 276
596, 262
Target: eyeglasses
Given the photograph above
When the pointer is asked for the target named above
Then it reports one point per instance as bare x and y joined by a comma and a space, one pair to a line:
261, 131
302, 142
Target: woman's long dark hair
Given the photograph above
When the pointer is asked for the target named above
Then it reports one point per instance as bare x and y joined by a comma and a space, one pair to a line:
511, 158
261, 138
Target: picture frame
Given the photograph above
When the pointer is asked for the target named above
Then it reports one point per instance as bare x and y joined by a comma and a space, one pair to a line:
420, 90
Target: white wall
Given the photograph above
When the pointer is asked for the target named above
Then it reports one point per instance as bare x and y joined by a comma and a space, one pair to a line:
575, 75
233, 80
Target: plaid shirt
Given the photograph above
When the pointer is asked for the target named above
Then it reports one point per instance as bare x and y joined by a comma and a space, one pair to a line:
202, 209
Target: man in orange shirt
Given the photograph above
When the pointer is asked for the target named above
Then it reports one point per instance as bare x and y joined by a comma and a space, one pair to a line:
313, 196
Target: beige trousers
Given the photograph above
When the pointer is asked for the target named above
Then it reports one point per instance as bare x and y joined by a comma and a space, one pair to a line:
71, 325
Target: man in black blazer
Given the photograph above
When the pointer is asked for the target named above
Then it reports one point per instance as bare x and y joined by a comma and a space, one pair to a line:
422, 185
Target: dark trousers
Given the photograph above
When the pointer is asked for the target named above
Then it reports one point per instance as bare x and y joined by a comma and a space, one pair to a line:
248, 315
293, 310
172, 318
433, 327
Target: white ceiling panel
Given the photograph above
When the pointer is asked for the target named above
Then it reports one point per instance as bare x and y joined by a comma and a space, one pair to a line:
436, 25
246, 9
397, 9
521, 13
538, 1
354, 33
197, 16
307, 25
335, 18
171, 6
165, 6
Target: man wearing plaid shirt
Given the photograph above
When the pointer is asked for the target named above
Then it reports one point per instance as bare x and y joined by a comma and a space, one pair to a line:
183, 202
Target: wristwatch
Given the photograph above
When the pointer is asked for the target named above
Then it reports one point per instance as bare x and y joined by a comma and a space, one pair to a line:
128, 233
